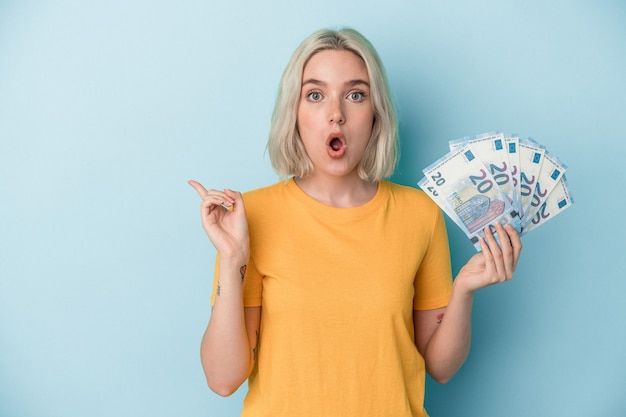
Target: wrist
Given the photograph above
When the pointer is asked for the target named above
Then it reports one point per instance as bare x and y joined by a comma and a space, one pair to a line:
234, 253
234, 258
232, 270
460, 287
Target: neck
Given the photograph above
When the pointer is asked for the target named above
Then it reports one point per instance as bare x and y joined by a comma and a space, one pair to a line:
338, 192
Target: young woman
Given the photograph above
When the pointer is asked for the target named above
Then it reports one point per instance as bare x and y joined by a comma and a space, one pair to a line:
331, 286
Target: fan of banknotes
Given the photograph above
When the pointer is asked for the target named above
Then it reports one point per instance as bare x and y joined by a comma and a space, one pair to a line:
496, 178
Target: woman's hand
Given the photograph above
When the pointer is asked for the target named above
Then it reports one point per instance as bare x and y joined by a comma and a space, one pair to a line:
496, 263
224, 221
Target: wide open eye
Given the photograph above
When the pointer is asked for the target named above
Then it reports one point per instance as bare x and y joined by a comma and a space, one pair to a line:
314, 96
356, 96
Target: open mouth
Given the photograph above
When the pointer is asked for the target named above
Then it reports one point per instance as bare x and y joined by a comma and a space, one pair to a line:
335, 144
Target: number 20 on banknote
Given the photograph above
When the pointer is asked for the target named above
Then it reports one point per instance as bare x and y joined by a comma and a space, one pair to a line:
462, 185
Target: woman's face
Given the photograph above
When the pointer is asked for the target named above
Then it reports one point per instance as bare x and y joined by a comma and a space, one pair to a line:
335, 114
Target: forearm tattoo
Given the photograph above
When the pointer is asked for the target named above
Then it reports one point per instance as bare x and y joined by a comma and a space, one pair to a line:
242, 271
255, 351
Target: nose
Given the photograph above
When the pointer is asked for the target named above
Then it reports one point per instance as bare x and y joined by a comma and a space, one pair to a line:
336, 112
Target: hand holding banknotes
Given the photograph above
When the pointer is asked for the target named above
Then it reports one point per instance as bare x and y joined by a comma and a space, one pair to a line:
495, 263
224, 221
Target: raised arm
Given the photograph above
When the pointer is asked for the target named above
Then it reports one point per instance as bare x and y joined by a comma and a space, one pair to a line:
228, 344
443, 336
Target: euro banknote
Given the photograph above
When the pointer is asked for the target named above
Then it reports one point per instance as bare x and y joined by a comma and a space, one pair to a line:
496, 178
559, 200
531, 157
465, 187
549, 176
491, 150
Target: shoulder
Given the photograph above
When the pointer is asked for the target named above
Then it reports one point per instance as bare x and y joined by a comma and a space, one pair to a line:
268, 199
410, 196
414, 206
263, 193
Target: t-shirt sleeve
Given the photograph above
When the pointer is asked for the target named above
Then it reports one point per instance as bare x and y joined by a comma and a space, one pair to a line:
433, 282
252, 284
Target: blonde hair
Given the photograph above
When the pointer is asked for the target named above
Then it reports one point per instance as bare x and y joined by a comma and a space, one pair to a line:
284, 145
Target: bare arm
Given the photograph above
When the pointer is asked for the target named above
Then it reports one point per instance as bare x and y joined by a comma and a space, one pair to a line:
444, 342
228, 344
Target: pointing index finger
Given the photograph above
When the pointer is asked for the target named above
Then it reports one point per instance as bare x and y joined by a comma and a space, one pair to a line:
202, 192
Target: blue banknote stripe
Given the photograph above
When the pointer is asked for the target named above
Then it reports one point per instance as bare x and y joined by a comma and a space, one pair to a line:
536, 158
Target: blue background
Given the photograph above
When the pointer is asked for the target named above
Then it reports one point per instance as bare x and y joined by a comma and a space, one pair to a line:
107, 108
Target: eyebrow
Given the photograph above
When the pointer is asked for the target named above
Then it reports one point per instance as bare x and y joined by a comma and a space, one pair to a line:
350, 83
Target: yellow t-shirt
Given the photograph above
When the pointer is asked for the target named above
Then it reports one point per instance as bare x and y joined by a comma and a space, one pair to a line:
338, 287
